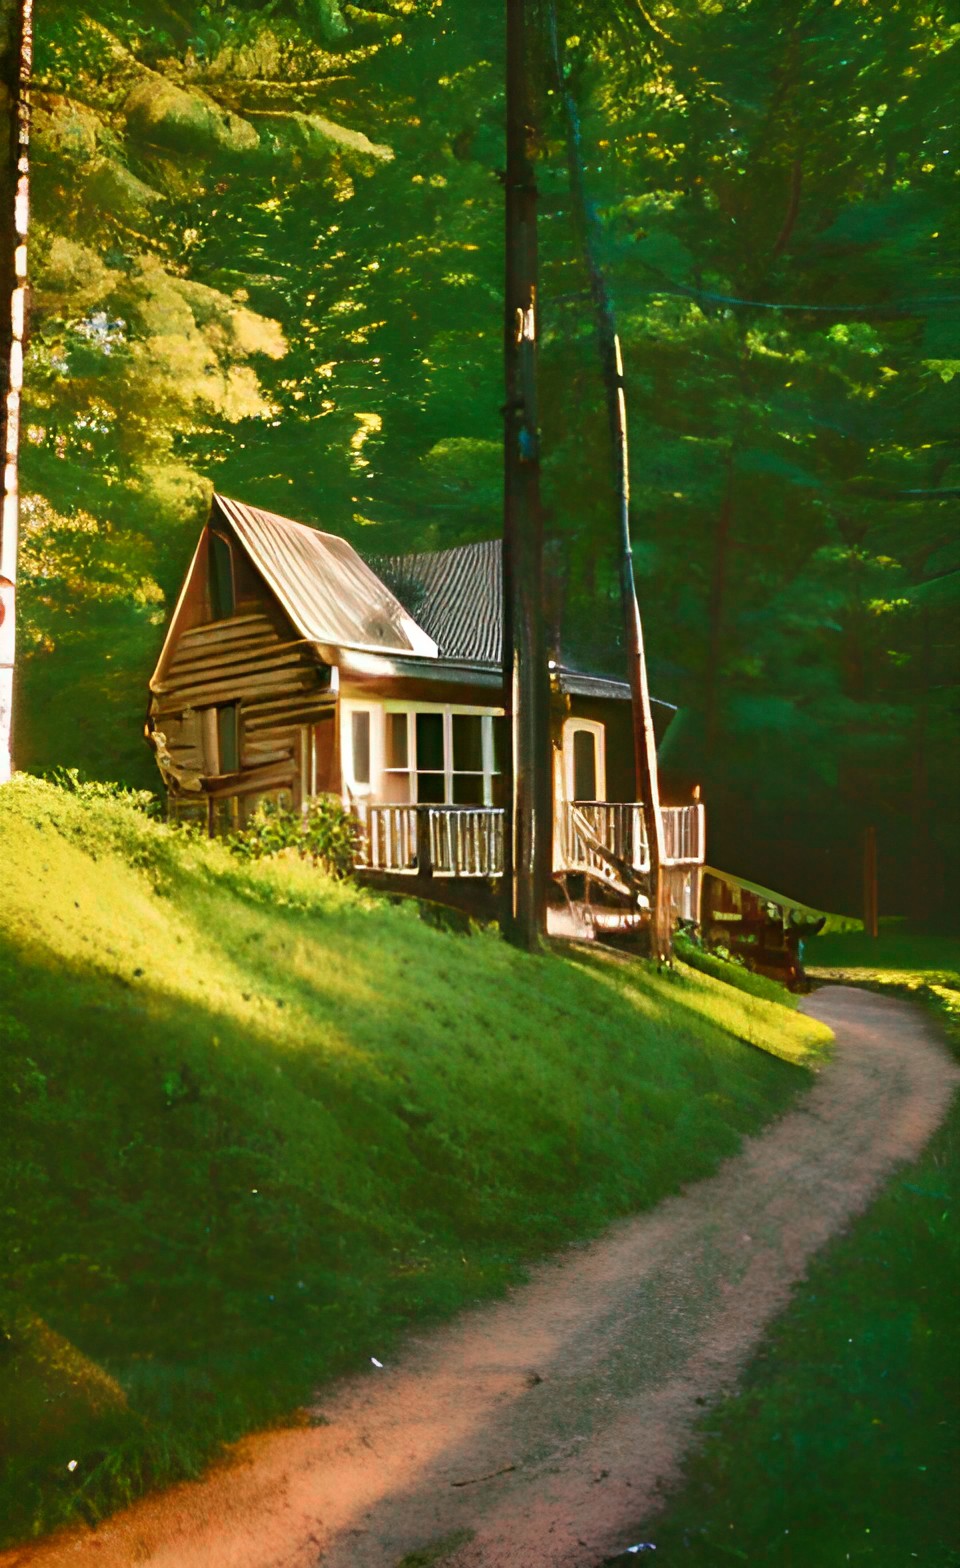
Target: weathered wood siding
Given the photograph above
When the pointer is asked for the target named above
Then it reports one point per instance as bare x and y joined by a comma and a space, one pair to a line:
254, 659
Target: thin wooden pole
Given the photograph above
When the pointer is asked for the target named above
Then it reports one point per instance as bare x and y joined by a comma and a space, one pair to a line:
611, 364
871, 905
529, 839
16, 60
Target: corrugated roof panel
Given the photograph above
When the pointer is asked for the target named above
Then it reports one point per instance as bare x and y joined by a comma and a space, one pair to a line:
329, 593
456, 596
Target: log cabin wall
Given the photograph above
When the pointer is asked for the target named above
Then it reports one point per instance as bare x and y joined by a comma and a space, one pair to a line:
241, 698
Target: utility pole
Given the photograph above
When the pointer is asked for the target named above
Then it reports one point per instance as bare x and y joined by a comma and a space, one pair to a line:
16, 60
528, 849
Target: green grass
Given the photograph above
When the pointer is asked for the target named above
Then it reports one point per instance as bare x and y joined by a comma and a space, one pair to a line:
843, 1443
735, 974
260, 1121
903, 961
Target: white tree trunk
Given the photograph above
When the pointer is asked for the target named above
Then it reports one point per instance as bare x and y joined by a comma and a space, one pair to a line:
16, 59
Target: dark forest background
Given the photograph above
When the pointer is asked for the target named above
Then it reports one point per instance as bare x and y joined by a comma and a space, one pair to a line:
267, 256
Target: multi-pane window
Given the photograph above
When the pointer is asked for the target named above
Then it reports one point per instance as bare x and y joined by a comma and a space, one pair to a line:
432, 755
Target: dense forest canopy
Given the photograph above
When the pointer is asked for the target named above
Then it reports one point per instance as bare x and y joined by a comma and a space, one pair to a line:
267, 256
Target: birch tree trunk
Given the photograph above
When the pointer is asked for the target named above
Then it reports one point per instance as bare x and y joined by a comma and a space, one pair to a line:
529, 836
16, 40
611, 364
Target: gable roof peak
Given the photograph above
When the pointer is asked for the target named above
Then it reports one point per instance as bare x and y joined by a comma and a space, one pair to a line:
330, 594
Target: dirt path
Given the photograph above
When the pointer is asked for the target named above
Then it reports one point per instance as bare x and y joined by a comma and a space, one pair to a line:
547, 1424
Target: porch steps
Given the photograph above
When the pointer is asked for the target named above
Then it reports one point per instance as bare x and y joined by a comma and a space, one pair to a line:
607, 867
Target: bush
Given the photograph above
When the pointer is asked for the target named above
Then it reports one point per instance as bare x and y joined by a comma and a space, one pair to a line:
73, 782
729, 967
324, 832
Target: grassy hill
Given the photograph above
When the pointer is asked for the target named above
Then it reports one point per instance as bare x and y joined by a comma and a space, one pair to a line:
260, 1121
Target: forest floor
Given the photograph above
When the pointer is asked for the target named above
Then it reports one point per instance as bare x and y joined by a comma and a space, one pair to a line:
535, 1432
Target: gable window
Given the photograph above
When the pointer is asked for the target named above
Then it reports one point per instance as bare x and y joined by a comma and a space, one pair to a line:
223, 597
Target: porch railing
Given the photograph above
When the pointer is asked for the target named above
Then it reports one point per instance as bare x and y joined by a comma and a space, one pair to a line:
443, 841
618, 826
620, 829
684, 835
467, 841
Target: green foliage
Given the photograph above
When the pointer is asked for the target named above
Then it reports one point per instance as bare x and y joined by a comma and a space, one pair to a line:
324, 832
843, 1441
267, 254
729, 968
258, 1121
72, 783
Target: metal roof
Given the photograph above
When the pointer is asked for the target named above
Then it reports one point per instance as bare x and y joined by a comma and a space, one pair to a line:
580, 685
444, 604
455, 596
330, 594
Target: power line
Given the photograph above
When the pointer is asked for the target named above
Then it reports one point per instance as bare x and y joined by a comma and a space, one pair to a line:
908, 307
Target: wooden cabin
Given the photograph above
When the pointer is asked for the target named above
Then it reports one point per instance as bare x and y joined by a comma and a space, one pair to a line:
292, 668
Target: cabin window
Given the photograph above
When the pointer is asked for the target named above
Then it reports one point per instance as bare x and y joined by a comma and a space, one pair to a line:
398, 742
437, 755
584, 761
228, 736
431, 759
360, 726
220, 739
223, 596
468, 759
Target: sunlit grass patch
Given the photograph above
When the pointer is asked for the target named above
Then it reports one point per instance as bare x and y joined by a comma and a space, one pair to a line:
902, 960
261, 1121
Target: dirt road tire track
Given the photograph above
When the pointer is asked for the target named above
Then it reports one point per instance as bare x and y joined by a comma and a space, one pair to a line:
548, 1424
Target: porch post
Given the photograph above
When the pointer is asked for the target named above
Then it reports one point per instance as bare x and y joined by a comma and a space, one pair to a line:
424, 847
528, 840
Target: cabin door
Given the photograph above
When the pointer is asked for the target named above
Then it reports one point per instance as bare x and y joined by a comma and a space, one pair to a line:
584, 760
